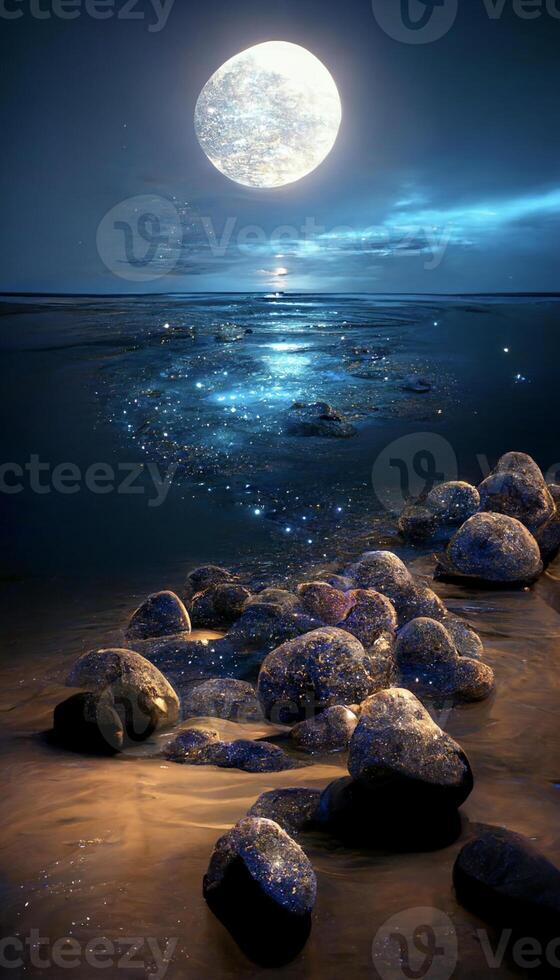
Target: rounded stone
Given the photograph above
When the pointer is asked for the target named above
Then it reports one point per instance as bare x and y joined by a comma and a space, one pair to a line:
398, 748
330, 731
324, 602
493, 548
223, 697
188, 745
465, 639
382, 571
417, 524
429, 665
454, 502
325, 667
522, 464
162, 614
247, 755
418, 600
371, 615
517, 496
219, 605
292, 809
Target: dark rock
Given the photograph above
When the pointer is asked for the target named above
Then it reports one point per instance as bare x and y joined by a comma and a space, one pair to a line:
330, 731
453, 503
522, 464
319, 420
399, 749
465, 640
263, 888
548, 535
90, 723
493, 549
417, 524
188, 745
418, 600
182, 657
243, 754
162, 614
265, 625
292, 809
219, 605
288, 601
517, 496
416, 383
382, 571
371, 615
203, 577
504, 879
363, 816
223, 697
324, 602
428, 664
313, 672
134, 684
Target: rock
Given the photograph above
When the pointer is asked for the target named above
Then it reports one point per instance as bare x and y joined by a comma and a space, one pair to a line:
381, 571
519, 497
319, 420
244, 754
548, 538
522, 464
372, 614
325, 667
136, 686
292, 809
181, 656
205, 576
188, 745
219, 605
453, 503
263, 888
162, 614
428, 664
398, 749
223, 697
416, 383
465, 640
330, 731
493, 549
362, 816
324, 602
341, 582
265, 625
286, 600
418, 600
89, 723
504, 879
417, 524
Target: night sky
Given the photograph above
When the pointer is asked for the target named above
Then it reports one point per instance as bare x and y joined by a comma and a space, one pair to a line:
444, 177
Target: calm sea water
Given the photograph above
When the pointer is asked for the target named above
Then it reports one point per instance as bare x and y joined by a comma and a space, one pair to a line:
199, 387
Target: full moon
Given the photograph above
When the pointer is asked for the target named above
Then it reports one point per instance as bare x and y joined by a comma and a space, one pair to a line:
269, 116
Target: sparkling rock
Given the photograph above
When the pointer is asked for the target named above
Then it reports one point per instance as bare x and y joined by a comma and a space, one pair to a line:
292, 809
502, 878
493, 549
453, 503
205, 576
465, 640
330, 731
263, 888
517, 496
219, 605
418, 600
325, 667
324, 602
522, 464
162, 614
133, 682
399, 749
429, 665
188, 745
382, 571
223, 697
417, 524
341, 582
265, 624
548, 535
242, 754
371, 615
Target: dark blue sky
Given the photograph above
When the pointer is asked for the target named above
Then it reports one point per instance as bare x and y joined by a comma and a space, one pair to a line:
444, 178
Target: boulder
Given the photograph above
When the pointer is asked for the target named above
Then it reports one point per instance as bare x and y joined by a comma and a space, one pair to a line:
265, 624
90, 723
517, 496
223, 697
465, 640
522, 464
292, 809
189, 744
382, 571
417, 524
429, 665
492, 549
502, 878
263, 888
324, 602
219, 605
418, 600
241, 754
135, 685
548, 535
371, 615
330, 731
453, 503
205, 576
341, 582
325, 667
318, 420
181, 657
398, 749
162, 614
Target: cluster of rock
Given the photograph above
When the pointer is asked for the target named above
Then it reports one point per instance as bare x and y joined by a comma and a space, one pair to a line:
502, 533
